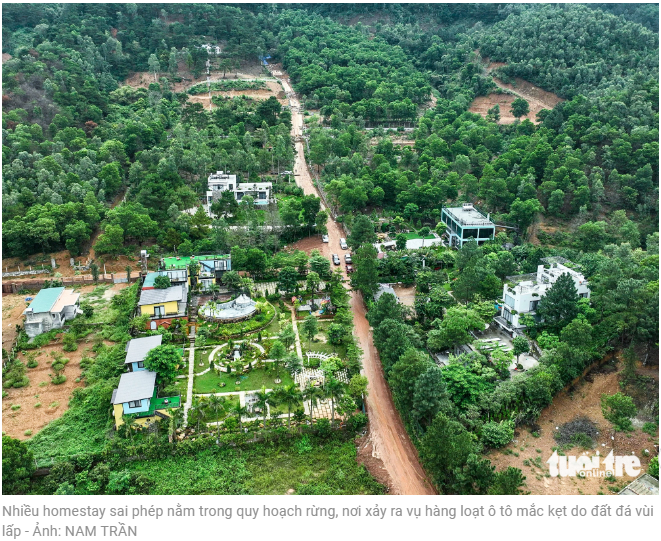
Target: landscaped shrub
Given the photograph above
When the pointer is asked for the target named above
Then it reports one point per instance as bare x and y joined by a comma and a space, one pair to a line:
13, 375
496, 435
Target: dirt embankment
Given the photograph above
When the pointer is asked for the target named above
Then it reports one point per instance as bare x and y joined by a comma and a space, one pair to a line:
536, 444
536, 97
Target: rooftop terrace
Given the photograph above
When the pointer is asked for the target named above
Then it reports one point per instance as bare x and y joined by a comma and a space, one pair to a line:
468, 215
183, 261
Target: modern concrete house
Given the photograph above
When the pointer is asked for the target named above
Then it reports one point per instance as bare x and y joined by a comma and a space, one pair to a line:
522, 293
467, 223
221, 182
50, 309
137, 350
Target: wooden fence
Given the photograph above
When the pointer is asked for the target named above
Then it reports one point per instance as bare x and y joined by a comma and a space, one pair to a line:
83, 279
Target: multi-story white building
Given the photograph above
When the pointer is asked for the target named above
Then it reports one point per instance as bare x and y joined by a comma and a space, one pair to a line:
220, 182
522, 293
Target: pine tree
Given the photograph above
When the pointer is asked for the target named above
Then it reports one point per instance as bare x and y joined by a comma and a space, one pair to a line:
559, 305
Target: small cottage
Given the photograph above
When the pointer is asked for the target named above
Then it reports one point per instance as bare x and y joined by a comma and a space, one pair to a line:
137, 350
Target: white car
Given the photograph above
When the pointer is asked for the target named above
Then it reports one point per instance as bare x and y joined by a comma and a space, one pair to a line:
336, 259
324, 238
343, 244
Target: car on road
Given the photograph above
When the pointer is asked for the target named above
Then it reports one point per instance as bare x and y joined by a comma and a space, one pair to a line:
336, 259
347, 258
349, 269
324, 238
343, 244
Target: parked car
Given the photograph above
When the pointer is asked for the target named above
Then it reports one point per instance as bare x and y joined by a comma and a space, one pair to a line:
349, 269
343, 244
324, 238
347, 258
336, 259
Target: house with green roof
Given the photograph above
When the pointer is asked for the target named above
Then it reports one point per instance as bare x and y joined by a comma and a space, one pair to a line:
50, 309
211, 269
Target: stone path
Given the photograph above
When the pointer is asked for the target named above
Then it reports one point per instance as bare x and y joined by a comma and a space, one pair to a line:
189, 394
299, 351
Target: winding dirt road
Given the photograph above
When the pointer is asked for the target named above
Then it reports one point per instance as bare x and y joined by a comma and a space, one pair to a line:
390, 442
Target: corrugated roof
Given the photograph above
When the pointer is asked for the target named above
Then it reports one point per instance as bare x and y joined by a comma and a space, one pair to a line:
645, 485
149, 279
68, 298
137, 349
135, 386
155, 296
45, 299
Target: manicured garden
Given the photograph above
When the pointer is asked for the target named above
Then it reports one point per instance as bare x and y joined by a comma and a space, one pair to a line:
217, 333
255, 379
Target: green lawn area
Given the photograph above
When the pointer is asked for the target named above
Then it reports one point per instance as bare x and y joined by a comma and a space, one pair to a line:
253, 380
230, 402
410, 236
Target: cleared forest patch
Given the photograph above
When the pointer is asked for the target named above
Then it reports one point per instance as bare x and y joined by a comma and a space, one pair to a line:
533, 446
273, 88
536, 97
41, 402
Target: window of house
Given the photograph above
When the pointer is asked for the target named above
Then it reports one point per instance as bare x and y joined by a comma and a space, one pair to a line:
159, 311
509, 301
533, 305
262, 195
135, 404
583, 295
141, 364
507, 315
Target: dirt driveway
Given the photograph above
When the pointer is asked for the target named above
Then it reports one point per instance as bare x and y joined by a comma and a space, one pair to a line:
392, 456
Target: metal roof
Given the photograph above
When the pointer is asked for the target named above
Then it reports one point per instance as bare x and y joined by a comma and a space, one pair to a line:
643, 486
45, 299
135, 386
155, 296
137, 349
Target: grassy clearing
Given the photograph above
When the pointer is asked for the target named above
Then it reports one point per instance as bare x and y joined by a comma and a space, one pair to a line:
254, 380
306, 465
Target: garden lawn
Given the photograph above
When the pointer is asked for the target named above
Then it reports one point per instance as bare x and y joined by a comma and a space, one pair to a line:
410, 236
230, 402
253, 380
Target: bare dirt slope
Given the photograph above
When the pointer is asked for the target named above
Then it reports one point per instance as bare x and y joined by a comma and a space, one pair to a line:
583, 400
391, 447
536, 97
273, 89
41, 402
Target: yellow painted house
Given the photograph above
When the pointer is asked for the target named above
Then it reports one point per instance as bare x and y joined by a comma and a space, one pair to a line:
168, 302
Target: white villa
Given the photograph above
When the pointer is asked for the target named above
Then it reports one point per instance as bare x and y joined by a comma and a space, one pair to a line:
220, 182
522, 293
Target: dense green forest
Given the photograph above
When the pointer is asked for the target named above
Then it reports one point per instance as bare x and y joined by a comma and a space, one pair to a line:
386, 91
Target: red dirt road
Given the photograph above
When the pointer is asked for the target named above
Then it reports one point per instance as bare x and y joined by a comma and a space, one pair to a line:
390, 442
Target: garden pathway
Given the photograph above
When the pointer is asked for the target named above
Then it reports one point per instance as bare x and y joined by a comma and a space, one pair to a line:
299, 351
189, 394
